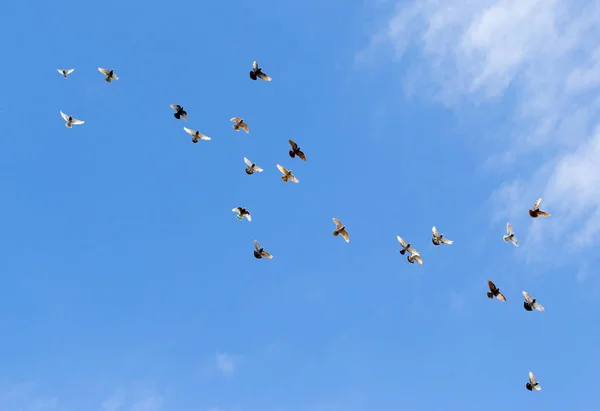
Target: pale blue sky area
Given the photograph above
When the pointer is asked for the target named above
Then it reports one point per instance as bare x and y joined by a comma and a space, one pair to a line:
129, 285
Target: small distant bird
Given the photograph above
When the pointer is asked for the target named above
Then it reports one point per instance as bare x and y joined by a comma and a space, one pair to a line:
241, 213
295, 151
70, 120
239, 124
65, 73
510, 235
180, 112
536, 212
287, 175
530, 303
257, 72
414, 256
439, 238
196, 135
110, 74
260, 252
495, 292
532, 384
405, 246
340, 229
251, 167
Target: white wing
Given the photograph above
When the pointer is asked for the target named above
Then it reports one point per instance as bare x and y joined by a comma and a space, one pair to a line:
515, 241
293, 179
114, 76
537, 387
257, 168
189, 131
282, 169
249, 217
435, 232
248, 162
75, 121
103, 71
537, 203
69, 71
236, 210
401, 241
509, 229
63, 115
538, 306
418, 259
446, 241
255, 65
527, 296
532, 379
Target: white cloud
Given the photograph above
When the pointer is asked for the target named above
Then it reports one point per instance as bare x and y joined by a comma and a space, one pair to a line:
225, 363
543, 58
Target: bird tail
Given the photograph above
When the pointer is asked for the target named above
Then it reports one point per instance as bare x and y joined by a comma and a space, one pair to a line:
292, 154
108, 79
490, 295
177, 116
403, 251
505, 239
284, 178
68, 125
239, 217
336, 233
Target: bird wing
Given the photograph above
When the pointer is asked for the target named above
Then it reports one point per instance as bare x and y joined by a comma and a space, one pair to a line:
175, 107
301, 155
446, 241
345, 235
236, 210
293, 144
543, 213
248, 162
509, 229
536, 206
532, 379
435, 232
412, 251
338, 223
537, 387
203, 136
263, 76
255, 65
538, 306
245, 127
418, 259
63, 115
60, 71
282, 169
401, 241
267, 255
248, 216
184, 115
501, 297
515, 241
527, 296
256, 245
75, 121
114, 76
257, 168
235, 119
103, 71
293, 178
491, 285
190, 131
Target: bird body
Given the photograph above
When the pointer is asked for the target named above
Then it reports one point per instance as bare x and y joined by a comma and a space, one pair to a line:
295, 151
532, 384
251, 167
530, 303
110, 74
260, 252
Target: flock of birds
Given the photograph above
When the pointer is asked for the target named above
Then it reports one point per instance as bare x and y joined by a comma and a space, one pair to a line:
413, 256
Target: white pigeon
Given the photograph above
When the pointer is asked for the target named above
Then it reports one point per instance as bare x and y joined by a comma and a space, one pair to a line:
66, 72
70, 120
510, 235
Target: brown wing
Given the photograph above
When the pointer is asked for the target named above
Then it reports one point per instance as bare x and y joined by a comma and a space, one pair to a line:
263, 76
301, 155
245, 127
543, 213
294, 145
345, 235
501, 297
491, 285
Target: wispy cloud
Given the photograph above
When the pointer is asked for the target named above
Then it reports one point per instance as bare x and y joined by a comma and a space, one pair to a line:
225, 363
541, 57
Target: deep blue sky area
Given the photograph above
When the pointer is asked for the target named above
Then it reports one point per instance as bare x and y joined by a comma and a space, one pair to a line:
127, 283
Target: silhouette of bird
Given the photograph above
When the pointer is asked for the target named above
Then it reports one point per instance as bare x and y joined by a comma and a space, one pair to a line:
260, 252
241, 213
510, 235
530, 303
536, 212
110, 74
495, 292
295, 151
257, 72
180, 112
532, 384
196, 135
251, 167
66, 72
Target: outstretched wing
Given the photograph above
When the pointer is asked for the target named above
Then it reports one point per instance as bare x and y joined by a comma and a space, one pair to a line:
435, 232
263, 76
301, 155
538, 306
412, 250
175, 107
64, 116
491, 285
245, 127
532, 379
255, 65
338, 223
248, 216
190, 131
446, 241
536, 206
235, 119
401, 241
293, 179
267, 255
501, 297
418, 259
345, 235
103, 71
543, 213
236, 210
527, 296
256, 245
515, 241
69, 71
293, 144
75, 121
248, 162
282, 169
509, 229
257, 168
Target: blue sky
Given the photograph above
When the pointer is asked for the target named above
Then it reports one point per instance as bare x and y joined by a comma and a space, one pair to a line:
129, 285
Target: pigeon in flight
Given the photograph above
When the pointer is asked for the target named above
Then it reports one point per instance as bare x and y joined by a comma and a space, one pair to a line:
257, 72
110, 74
252, 167
439, 238
260, 252
180, 112
241, 213
287, 175
340, 229
239, 124
70, 120
495, 292
295, 151
530, 303
510, 235
196, 135
536, 212
532, 384
66, 72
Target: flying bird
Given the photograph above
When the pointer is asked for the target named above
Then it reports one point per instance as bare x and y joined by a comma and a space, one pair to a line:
340, 229
287, 175
251, 167
495, 292
414, 256
295, 151
66, 72
239, 124
405, 246
260, 252
510, 235
196, 135
532, 384
180, 112
241, 213
536, 212
530, 303
439, 238
257, 72
110, 74
70, 120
